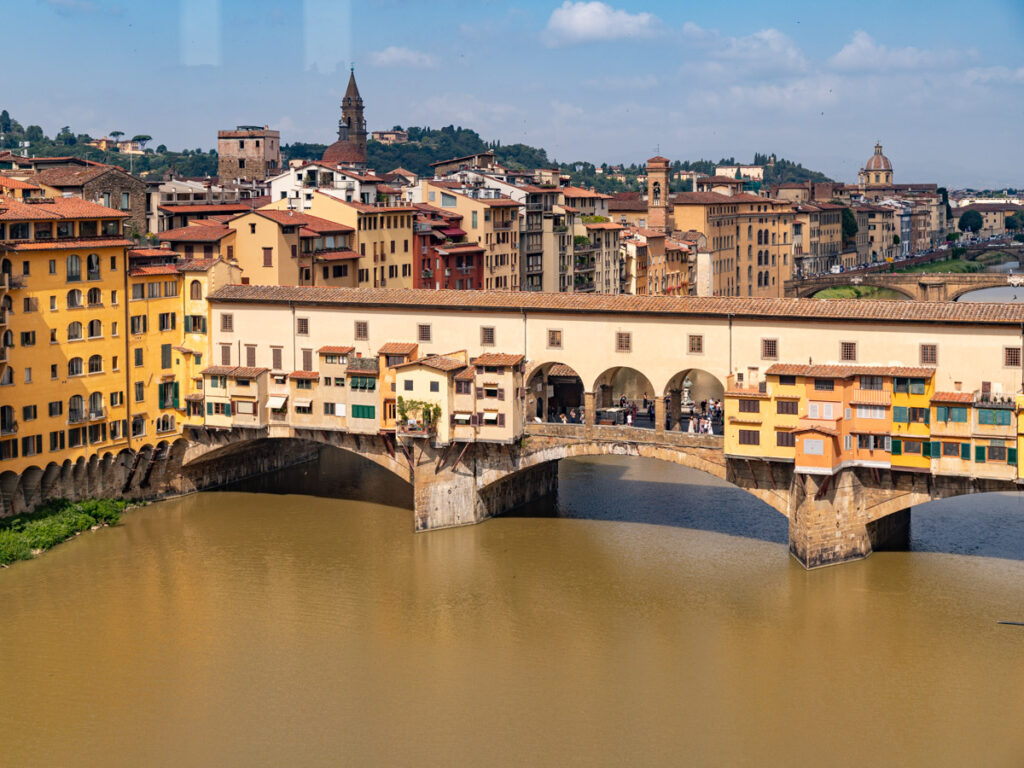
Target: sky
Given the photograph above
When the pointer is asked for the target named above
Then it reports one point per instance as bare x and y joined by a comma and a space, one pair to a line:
940, 84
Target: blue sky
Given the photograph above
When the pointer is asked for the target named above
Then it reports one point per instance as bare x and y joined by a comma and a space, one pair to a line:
941, 84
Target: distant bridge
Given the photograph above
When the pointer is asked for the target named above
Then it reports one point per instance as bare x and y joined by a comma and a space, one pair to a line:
920, 286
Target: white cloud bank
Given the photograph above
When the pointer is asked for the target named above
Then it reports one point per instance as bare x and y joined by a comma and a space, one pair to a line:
397, 56
582, 22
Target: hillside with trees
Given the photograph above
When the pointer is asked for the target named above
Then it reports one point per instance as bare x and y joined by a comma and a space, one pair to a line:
153, 164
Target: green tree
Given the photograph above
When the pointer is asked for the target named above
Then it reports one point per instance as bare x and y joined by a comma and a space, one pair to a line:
115, 135
141, 138
34, 133
970, 220
161, 149
65, 136
895, 239
952, 237
1015, 221
849, 226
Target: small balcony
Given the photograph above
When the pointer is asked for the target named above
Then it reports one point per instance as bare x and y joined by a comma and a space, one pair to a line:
502, 226
16, 281
538, 206
76, 417
98, 415
416, 429
426, 274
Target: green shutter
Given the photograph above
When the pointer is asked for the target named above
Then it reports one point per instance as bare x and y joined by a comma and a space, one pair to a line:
227, 409
927, 415
160, 396
209, 409
175, 394
965, 451
926, 449
899, 414
942, 413
897, 447
979, 453
936, 449
165, 355
1011, 455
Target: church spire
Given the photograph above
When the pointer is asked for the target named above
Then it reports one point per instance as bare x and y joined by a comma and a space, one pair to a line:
352, 92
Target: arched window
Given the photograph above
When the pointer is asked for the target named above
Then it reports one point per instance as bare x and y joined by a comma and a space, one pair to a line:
75, 366
750, 231
74, 299
74, 331
94, 297
759, 237
7, 423
7, 304
656, 193
7, 377
96, 404
750, 273
96, 364
76, 408
195, 290
8, 338
92, 267
758, 279
95, 329
5, 267
74, 268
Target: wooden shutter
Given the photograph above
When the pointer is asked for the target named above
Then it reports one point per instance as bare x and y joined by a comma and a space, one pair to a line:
307, 359
225, 354
965, 451
276, 354
501, 393
480, 419
268, 257
501, 419
250, 356
175, 394
979, 453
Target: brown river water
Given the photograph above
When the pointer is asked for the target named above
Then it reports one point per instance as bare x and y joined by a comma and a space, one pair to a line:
651, 617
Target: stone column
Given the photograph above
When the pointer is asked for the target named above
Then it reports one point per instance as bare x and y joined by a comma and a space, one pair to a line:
659, 414
675, 407
837, 528
589, 406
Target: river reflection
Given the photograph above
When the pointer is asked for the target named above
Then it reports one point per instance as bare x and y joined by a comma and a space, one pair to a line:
258, 629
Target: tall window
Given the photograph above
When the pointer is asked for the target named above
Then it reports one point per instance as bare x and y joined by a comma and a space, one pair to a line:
96, 364
92, 267
73, 266
74, 331
75, 366
74, 299
195, 290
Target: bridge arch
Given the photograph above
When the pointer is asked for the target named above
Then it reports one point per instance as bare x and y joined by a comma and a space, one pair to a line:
552, 389
619, 380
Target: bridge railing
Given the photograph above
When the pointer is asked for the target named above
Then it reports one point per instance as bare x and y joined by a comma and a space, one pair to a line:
622, 433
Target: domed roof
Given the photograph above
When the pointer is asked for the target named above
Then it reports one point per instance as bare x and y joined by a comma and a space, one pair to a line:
878, 161
343, 153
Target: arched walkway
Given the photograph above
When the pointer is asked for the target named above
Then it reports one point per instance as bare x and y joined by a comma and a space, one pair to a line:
691, 394
554, 390
624, 395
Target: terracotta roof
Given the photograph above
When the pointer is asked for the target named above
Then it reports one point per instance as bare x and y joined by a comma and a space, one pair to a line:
816, 427
304, 375
459, 248
157, 269
218, 370
397, 348
363, 365
871, 397
184, 350
341, 255
55, 208
196, 265
488, 153
243, 372
194, 398
344, 152
719, 180
153, 252
329, 350
466, 374
845, 371
69, 177
9, 183
196, 233
864, 310
497, 358
574, 192
953, 397
603, 225
240, 207
560, 369
700, 198
437, 362
747, 393
294, 218
658, 159
68, 245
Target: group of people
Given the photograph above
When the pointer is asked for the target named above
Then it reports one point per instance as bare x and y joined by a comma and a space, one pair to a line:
701, 420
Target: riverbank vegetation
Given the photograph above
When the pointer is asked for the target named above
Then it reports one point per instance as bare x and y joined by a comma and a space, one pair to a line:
859, 292
25, 536
950, 265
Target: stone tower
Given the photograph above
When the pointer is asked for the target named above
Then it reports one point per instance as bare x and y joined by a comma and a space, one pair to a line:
350, 148
658, 212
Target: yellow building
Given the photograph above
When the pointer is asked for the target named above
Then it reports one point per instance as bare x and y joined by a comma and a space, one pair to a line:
64, 335
489, 219
380, 249
911, 430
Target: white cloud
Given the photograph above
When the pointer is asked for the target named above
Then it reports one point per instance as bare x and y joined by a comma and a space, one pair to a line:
998, 75
863, 54
623, 82
580, 22
397, 56
762, 51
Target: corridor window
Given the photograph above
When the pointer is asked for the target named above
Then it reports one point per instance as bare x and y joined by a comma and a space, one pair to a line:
423, 333
227, 322
696, 344
362, 330
623, 342
1011, 357
848, 351
487, 336
554, 338
769, 349
929, 354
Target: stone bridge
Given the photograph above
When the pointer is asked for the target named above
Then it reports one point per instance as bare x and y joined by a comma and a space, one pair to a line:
921, 286
832, 519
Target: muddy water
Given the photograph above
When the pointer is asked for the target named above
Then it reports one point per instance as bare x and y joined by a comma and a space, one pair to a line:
652, 617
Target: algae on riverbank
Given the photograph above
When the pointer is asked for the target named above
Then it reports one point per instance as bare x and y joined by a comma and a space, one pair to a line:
24, 536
